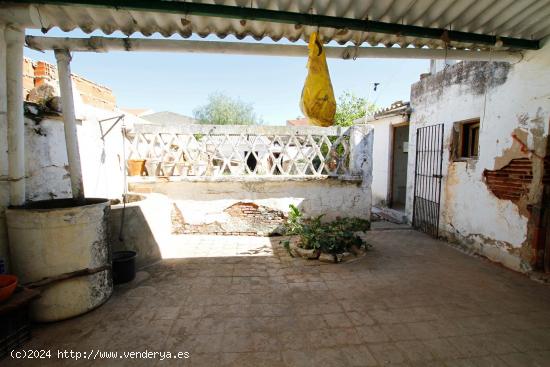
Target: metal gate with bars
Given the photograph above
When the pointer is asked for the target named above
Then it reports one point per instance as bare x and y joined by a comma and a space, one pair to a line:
427, 178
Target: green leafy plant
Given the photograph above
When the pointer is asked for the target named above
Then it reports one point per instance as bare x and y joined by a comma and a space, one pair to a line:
334, 237
286, 245
293, 224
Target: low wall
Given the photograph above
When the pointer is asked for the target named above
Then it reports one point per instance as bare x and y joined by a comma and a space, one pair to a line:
255, 206
140, 231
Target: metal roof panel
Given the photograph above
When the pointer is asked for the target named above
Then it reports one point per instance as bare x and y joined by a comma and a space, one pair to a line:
525, 19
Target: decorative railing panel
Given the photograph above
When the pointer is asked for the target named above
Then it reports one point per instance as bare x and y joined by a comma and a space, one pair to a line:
211, 150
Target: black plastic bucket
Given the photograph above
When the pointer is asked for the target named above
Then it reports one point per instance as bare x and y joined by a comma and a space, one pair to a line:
124, 266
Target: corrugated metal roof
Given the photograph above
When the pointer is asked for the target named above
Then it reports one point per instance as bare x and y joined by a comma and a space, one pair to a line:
527, 19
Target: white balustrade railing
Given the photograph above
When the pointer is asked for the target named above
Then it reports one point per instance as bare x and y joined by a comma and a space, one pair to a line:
212, 150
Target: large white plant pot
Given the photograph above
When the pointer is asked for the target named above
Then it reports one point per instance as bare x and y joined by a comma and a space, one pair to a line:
55, 237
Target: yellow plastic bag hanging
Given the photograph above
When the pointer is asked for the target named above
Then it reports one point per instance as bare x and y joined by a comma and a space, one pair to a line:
317, 102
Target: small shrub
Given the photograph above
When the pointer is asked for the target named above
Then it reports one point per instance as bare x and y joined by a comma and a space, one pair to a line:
334, 237
286, 245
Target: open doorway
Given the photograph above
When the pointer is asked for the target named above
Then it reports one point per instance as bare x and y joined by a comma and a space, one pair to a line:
398, 184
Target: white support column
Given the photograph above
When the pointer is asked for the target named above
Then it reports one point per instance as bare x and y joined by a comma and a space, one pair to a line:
360, 142
3, 106
16, 124
71, 139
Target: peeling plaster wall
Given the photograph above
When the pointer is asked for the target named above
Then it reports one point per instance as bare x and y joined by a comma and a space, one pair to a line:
508, 99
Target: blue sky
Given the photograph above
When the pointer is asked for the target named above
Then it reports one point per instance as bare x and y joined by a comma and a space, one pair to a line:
180, 82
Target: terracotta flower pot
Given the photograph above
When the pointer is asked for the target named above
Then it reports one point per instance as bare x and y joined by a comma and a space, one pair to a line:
8, 283
136, 167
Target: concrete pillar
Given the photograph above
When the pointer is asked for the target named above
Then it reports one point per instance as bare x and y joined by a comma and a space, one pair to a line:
360, 143
67, 103
3, 106
15, 39
4, 184
360, 160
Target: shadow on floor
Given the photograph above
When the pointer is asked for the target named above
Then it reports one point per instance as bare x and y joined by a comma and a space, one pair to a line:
411, 301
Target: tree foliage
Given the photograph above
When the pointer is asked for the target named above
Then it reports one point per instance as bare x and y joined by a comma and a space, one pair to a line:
350, 107
222, 109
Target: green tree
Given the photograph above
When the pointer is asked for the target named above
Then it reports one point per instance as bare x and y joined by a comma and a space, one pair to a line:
222, 109
350, 107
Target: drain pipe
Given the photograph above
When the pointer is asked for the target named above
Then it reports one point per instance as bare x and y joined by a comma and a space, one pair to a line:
71, 139
15, 39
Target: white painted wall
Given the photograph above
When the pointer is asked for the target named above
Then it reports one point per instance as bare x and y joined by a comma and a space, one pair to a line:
205, 201
46, 156
382, 157
46, 160
469, 211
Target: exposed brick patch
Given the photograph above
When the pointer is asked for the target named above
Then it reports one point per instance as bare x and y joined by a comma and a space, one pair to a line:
257, 215
177, 217
28, 76
40, 72
242, 209
512, 181
245, 219
255, 212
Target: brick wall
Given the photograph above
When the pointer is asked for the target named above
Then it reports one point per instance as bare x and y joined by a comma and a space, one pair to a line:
512, 181
28, 76
95, 94
39, 72
44, 72
255, 213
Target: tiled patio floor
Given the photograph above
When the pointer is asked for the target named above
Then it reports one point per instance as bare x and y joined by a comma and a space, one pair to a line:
412, 301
